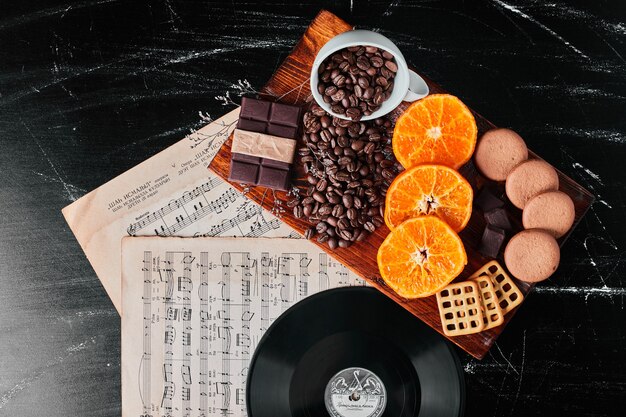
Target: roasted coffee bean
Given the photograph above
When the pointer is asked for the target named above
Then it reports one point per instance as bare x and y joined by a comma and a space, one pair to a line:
361, 236
330, 90
298, 212
348, 200
351, 213
338, 211
391, 66
332, 243
345, 234
369, 226
309, 233
343, 141
343, 223
318, 110
321, 227
342, 176
307, 210
332, 221
377, 61
308, 200
344, 243
322, 238
388, 174
321, 185
325, 210
387, 163
354, 113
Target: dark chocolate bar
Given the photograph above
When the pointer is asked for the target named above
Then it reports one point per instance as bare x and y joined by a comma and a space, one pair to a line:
275, 119
266, 118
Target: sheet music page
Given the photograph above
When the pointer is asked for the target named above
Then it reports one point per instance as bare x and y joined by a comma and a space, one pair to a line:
195, 309
171, 194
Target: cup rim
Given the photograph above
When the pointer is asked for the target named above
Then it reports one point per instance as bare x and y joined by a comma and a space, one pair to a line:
319, 59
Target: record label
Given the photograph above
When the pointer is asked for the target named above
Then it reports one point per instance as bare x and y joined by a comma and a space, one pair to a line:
355, 392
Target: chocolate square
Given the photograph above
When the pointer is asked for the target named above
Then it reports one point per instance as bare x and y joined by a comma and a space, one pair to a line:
252, 125
243, 172
284, 114
282, 131
255, 109
273, 178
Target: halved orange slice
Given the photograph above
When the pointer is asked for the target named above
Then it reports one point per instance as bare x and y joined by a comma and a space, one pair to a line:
429, 189
438, 129
421, 256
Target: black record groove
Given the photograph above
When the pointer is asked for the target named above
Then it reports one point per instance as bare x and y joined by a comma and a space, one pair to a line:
360, 328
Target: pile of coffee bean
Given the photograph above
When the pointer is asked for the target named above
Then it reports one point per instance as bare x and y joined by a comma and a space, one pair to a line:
355, 81
349, 166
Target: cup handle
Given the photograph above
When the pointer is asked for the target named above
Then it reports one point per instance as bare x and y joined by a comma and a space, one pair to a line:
417, 88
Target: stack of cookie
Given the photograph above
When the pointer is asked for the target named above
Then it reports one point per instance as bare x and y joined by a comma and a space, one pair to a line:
531, 185
479, 303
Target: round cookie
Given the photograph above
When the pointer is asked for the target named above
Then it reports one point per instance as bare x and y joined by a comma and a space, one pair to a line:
552, 211
498, 151
529, 179
532, 255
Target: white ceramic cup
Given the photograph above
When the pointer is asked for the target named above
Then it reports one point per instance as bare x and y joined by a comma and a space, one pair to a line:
408, 86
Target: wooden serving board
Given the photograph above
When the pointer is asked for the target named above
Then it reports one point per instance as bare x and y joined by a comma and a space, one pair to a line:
290, 84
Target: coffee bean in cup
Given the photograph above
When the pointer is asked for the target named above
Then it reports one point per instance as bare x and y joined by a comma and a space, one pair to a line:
355, 81
349, 166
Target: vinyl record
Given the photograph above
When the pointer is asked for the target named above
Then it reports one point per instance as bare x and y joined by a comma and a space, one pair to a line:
353, 352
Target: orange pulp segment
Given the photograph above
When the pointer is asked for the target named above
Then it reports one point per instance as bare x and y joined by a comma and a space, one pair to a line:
420, 257
438, 129
429, 189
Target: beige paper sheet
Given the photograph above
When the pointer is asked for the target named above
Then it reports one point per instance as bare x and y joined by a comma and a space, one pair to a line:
170, 194
194, 310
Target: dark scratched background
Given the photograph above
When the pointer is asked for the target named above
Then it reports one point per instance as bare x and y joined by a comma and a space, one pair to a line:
91, 88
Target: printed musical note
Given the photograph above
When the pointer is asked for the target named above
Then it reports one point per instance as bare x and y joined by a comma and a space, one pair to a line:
185, 371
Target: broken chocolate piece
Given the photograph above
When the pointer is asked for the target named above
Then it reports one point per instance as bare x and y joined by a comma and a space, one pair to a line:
487, 200
492, 240
498, 218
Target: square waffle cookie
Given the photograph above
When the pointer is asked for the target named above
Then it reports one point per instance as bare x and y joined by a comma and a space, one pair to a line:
492, 313
509, 296
460, 309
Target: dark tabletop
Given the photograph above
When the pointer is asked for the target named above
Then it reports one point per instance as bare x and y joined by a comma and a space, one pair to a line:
90, 89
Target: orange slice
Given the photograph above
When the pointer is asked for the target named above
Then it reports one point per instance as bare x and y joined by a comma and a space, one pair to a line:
421, 256
429, 189
438, 129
